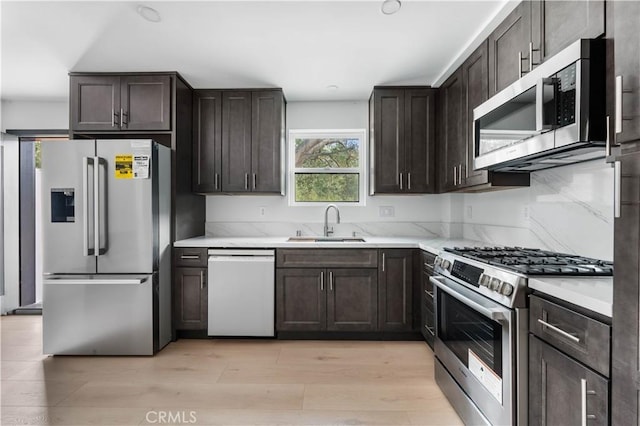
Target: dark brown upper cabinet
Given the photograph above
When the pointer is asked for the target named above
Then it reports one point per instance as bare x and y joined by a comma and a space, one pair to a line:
509, 48
402, 133
463, 91
207, 140
557, 24
452, 142
107, 103
625, 21
238, 141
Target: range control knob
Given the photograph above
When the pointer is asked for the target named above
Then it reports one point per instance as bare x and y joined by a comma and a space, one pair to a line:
437, 262
495, 284
446, 265
506, 289
484, 280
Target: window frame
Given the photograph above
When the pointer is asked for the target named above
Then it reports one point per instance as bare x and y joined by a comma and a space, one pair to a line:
361, 134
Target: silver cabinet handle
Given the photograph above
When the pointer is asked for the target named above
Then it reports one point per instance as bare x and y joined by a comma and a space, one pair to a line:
189, 256
583, 402
607, 150
122, 115
618, 103
430, 330
215, 180
520, 72
455, 175
330, 281
254, 181
460, 175
383, 261
322, 281
429, 293
201, 280
400, 181
409, 181
246, 181
559, 331
617, 177
113, 118
531, 50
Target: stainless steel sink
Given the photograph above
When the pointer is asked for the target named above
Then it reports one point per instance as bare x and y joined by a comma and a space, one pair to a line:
327, 239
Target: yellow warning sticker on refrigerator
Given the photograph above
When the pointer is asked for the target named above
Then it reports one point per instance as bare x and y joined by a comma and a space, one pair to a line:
124, 166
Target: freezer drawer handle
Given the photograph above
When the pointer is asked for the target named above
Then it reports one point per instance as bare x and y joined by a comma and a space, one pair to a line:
98, 281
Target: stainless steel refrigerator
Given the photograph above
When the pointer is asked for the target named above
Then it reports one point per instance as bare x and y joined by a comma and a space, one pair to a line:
106, 247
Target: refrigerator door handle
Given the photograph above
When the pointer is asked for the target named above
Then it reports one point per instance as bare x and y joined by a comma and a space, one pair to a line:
100, 203
86, 161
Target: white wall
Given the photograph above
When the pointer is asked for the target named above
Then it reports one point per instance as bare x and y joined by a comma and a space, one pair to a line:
34, 115
241, 215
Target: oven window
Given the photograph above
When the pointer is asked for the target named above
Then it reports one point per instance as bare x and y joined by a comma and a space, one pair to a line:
463, 329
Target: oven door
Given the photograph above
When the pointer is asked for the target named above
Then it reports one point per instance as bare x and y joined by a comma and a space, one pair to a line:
474, 341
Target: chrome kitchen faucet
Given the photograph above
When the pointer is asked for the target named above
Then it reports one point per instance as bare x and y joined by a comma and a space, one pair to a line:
328, 231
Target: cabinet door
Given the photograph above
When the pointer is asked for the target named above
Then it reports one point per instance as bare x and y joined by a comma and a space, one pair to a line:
388, 140
395, 280
266, 141
190, 299
625, 377
509, 40
207, 140
236, 141
95, 103
301, 303
557, 24
626, 21
352, 300
145, 102
451, 138
558, 385
475, 77
419, 129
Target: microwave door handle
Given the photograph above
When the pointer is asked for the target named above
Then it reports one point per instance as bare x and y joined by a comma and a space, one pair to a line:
541, 124
496, 314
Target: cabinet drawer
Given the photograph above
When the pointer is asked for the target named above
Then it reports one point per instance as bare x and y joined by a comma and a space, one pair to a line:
428, 260
327, 258
190, 256
584, 338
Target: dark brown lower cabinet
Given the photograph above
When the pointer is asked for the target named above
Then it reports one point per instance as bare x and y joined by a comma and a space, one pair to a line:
395, 288
319, 299
563, 391
352, 300
190, 299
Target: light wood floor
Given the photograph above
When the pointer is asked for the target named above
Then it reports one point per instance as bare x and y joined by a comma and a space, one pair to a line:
221, 382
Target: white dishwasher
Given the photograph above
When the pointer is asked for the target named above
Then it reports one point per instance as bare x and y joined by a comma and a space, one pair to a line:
241, 292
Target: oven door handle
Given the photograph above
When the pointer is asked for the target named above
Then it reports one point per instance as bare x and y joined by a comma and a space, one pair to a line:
495, 313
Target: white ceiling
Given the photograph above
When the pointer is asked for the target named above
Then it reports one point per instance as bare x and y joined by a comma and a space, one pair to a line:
301, 46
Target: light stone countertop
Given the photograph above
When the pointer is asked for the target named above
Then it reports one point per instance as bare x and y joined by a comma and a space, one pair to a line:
432, 245
593, 293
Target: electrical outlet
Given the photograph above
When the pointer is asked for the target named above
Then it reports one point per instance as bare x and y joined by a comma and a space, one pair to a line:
263, 211
386, 211
469, 212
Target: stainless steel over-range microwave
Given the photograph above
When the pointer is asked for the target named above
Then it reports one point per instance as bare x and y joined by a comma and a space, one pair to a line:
552, 116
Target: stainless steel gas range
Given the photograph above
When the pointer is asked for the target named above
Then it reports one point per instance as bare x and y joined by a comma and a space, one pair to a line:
482, 324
